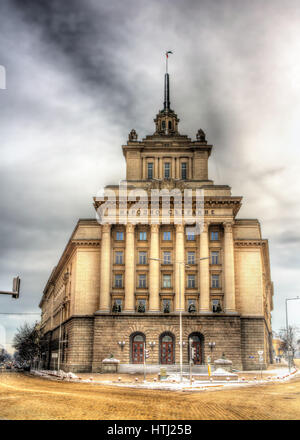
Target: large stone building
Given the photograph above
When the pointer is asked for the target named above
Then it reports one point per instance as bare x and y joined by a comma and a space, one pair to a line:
118, 286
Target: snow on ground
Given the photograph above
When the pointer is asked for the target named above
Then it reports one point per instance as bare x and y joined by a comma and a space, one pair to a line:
172, 383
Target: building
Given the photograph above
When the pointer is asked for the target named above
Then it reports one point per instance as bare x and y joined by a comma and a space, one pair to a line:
118, 286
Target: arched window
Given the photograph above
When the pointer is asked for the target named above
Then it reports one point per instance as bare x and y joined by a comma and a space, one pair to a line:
167, 348
170, 125
137, 348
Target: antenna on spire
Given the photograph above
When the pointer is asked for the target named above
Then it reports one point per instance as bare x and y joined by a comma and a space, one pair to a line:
167, 89
167, 56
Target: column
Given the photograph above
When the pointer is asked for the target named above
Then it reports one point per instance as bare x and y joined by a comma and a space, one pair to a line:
179, 270
129, 269
204, 272
173, 173
154, 271
105, 269
190, 168
229, 269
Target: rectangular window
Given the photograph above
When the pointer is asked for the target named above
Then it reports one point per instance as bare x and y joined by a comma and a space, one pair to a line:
191, 305
215, 258
166, 281
119, 258
119, 280
120, 235
166, 305
167, 170
215, 281
142, 280
117, 306
216, 305
142, 257
183, 170
191, 281
191, 258
150, 170
143, 236
190, 235
141, 306
167, 258
167, 236
214, 235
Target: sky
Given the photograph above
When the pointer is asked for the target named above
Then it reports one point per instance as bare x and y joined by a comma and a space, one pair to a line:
81, 74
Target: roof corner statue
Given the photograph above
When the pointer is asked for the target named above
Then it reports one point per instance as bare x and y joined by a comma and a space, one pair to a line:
122, 287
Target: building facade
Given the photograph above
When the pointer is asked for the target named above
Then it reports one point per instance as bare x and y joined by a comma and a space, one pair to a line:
120, 288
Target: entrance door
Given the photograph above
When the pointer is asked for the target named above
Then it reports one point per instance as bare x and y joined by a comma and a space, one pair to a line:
196, 349
167, 350
138, 349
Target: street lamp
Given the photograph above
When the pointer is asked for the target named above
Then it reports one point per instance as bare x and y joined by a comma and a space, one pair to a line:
287, 328
180, 263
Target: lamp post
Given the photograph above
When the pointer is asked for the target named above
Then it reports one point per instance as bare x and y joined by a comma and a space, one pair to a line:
287, 328
180, 309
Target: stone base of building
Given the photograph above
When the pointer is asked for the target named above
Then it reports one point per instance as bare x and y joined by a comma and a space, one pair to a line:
94, 338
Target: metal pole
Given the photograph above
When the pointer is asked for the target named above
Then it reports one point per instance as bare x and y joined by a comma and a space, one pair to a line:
144, 360
190, 348
287, 334
180, 323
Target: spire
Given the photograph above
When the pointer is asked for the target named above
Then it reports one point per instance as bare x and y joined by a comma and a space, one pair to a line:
167, 93
167, 84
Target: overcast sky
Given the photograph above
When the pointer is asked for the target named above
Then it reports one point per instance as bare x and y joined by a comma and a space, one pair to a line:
82, 74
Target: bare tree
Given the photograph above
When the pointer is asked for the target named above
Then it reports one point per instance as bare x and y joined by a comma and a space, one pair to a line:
289, 339
27, 342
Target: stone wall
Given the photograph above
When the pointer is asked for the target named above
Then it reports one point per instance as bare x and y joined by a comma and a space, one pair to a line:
255, 337
225, 331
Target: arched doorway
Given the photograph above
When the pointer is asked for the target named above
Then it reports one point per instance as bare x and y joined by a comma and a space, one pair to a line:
137, 348
197, 348
167, 349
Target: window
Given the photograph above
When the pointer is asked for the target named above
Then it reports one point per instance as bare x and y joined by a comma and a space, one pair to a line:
167, 236
190, 235
163, 125
142, 257
141, 306
191, 281
167, 258
215, 258
143, 236
150, 170
142, 280
215, 281
216, 306
119, 280
167, 170
117, 306
214, 235
166, 305
170, 125
192, 305
183, 170
166, 280
120, 235
191, 258
119, 258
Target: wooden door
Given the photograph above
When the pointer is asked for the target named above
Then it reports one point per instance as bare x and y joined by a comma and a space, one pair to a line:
138, 352
167, 352
197, 352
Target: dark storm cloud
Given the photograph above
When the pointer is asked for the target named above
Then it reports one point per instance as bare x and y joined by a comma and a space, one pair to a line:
81, 74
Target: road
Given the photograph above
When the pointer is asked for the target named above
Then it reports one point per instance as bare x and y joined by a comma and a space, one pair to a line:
23, 397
